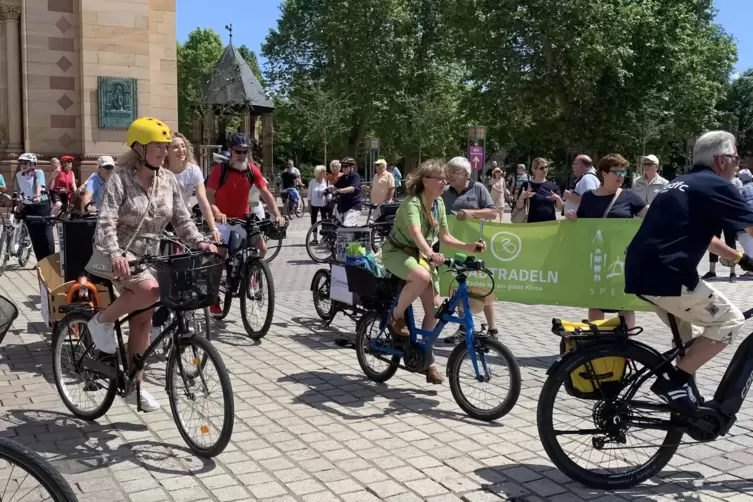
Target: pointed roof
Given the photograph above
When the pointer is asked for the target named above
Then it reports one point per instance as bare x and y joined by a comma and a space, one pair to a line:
233, 83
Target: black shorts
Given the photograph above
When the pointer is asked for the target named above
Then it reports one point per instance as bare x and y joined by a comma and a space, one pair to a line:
56, 197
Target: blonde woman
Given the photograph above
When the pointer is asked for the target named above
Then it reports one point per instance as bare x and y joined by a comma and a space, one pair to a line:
544, 196
408, 252
182, 163
317, 195
499, 191
139, 200
335, 173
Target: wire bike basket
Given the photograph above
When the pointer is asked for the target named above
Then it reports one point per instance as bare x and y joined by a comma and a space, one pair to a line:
189, 282
8, 314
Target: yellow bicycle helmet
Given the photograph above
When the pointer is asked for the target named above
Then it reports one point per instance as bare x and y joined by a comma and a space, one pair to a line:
147, 130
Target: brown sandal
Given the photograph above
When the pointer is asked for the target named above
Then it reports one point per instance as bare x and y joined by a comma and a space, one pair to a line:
433, 376
398, 326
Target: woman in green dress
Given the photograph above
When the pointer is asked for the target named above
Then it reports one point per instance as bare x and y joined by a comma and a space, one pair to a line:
408, 253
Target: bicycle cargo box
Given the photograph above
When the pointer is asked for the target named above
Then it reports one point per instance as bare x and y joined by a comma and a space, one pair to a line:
346, 235
53, 290
386, 212
370, 291
607, 372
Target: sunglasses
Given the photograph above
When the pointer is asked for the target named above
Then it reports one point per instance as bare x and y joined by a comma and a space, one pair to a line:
622, 172
240, 152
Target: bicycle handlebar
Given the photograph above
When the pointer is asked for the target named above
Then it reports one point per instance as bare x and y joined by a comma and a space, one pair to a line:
461, 263
146, 261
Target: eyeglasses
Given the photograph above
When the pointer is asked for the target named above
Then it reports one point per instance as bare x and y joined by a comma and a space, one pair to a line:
240, 152
441, 180
622, 172
733, 158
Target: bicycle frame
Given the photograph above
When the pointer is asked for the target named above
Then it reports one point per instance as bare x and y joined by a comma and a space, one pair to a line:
426, 339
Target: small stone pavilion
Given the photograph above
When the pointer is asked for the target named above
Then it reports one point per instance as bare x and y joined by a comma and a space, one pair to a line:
234, 91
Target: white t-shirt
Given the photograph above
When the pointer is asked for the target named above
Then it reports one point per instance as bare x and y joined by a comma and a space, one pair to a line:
316, 192
187, 181
589, 181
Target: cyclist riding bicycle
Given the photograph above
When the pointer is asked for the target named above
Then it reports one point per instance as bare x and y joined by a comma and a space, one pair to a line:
350, 203
62, 186
29, 182
139, 200
228, 189
662, 259
291, 180
91, 199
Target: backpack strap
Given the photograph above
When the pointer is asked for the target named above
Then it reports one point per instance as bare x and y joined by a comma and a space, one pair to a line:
226, 170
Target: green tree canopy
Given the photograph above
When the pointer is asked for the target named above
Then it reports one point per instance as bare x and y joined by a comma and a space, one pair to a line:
196, 59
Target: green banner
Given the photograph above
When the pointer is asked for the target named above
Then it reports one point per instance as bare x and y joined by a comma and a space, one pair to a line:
571, 263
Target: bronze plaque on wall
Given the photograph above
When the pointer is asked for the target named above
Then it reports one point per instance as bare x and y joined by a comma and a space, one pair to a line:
118, 102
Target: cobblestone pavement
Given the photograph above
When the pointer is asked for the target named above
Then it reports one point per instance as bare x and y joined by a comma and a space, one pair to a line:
310, 427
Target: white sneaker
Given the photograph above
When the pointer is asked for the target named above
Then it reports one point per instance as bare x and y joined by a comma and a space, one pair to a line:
148, 403
103, 335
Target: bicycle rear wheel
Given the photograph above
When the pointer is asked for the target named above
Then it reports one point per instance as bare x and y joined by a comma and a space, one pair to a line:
609, 421
193, 373
274, 246
504, 394
24, 464
85, 393
320, 287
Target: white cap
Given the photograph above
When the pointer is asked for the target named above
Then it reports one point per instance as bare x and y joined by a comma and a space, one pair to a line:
105, 160
651, 159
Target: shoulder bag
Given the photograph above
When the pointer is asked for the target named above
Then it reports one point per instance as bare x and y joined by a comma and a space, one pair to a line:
99, 264
520, 215
611, 203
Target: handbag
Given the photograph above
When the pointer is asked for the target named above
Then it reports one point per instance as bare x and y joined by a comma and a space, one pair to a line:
520, 215
99, 264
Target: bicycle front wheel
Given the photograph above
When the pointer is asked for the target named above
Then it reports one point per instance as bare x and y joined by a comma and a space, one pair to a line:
257, 298
499, 383
30, 476
24, 246
4, 249
607, 443
197, 379
320, 241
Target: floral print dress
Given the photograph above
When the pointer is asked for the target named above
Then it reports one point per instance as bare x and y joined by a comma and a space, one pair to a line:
124, 202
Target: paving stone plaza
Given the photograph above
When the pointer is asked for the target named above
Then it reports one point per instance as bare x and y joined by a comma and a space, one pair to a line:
310, 427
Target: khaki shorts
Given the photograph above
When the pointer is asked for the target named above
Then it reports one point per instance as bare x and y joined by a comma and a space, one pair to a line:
702, 312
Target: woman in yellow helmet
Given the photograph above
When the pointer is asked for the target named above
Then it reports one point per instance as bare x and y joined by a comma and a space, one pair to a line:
139, 200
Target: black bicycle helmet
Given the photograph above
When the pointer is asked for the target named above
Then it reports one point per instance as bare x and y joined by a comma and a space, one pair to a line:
238, 140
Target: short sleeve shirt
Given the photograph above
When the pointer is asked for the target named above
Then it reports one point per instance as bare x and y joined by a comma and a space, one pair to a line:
94, 185
664, 254
188, 180
288, 180
628, 205
475, 196
586, 183
411, 212
2, 181
381, 186
232, 197
542, 208
27, 183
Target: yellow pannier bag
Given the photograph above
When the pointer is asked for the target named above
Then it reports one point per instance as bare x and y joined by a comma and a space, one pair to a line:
607, 373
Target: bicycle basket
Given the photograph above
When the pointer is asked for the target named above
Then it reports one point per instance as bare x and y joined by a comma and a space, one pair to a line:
189, 282
607, 372
8, 314
373, 292
276, 232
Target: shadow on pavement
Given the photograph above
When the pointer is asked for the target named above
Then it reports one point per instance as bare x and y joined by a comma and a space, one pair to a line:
682, 486
343, 395
74, 445
34, 357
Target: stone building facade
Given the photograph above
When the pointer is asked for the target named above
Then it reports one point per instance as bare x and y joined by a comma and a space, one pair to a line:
74, 72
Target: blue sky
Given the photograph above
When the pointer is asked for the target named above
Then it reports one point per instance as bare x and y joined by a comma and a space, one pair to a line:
734, 15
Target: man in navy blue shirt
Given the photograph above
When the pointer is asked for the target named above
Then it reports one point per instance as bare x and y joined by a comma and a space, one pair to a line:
349, 187
662, 260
